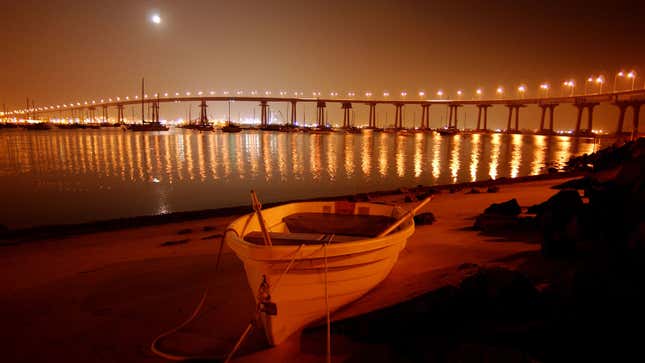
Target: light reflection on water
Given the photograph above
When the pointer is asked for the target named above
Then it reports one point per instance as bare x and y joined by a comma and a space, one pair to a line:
67, 176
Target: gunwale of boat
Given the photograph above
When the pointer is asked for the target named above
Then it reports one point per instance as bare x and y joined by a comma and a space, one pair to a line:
254, 251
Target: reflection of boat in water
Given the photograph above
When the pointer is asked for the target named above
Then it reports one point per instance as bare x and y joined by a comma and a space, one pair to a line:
231, 127
109, 124
37, 126
352, 130
372, 129
316, 257
198, 127
406, 132
152, 126
448, 131
320, 130
77, 126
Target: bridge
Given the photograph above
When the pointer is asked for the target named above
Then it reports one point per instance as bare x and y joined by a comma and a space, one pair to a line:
624, 100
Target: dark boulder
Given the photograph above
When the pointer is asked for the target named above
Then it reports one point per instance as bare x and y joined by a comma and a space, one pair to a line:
473, 191
508, 208
410, 198
428, 192
424, 218
560, 223
492, 189
581, 183
536, 208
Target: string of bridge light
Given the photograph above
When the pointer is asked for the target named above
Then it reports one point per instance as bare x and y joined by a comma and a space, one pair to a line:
591, 84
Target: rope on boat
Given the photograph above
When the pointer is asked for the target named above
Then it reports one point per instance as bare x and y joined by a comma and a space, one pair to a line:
295, 256
405, 217
257, 206
258, 306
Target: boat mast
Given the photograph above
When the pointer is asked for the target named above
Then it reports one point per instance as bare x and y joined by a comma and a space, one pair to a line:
143, 115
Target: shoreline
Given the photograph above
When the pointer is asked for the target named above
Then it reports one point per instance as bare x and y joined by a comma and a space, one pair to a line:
107, 295
38, 233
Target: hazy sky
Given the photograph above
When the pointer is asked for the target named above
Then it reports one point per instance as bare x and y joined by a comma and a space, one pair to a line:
57, 51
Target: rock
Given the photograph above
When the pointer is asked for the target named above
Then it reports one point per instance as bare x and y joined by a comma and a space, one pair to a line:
209, 228
536, 209
185, 231
552, 170
424, 219
581, 183
508, 208
559, 221
410, 198
473, 191
492, 189
427, 193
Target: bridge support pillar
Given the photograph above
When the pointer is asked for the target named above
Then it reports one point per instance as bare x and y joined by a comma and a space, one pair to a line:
622, 107
203, 115
293, 113
320, 117
551, 122
579, 118
581, 107
637, 109
398, 116
105, 113
155, 112
91, 114
119, 117
452, 115
590, 108
425, 116
347, 107
483, 108
542, 116
372, 117
510, 117
264, 113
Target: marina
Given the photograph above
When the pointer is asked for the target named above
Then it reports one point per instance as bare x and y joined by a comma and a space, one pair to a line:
132, 174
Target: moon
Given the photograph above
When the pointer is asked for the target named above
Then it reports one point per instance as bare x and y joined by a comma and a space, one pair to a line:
155, 18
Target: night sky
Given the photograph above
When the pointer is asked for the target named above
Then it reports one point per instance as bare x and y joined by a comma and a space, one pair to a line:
59, 51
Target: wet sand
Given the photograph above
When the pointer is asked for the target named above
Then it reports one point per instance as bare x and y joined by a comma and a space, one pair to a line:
105, 296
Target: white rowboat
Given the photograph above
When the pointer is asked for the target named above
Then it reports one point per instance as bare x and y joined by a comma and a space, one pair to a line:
317, 248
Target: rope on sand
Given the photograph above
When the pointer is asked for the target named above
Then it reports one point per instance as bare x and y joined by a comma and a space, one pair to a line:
179, 357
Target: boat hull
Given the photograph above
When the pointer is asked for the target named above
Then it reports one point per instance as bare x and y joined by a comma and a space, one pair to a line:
353, 268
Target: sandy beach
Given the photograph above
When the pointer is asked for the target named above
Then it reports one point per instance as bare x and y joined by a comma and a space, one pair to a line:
103, 297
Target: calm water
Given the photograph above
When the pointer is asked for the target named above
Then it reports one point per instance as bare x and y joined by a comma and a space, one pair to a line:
69, 176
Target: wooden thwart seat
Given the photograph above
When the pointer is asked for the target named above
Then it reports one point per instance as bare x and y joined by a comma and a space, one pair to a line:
278, 238
349, 225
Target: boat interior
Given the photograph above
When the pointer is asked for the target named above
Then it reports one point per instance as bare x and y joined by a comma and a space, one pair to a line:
301, 228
